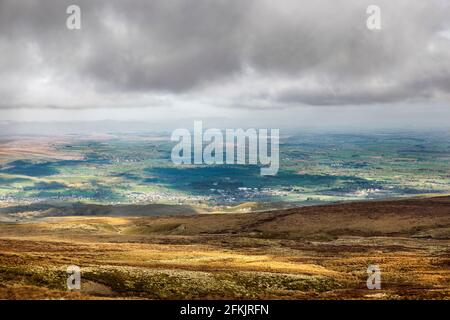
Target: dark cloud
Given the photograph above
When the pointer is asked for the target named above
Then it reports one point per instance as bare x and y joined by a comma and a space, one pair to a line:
299, 52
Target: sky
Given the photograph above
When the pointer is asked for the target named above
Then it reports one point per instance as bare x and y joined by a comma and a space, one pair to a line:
248, 63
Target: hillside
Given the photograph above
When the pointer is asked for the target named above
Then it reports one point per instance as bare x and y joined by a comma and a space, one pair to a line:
318, 252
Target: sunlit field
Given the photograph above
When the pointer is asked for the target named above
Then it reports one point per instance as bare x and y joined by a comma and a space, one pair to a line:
127, 169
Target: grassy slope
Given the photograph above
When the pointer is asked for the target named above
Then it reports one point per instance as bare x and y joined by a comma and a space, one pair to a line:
317, 252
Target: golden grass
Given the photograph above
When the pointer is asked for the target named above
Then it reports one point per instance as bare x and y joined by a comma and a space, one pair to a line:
310, 253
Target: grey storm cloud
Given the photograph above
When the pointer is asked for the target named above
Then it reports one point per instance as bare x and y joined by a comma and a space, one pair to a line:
290, 52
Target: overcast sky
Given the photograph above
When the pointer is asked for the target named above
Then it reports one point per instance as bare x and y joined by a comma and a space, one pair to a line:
284, 62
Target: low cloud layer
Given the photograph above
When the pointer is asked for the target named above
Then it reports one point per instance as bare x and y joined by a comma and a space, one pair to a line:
252, 54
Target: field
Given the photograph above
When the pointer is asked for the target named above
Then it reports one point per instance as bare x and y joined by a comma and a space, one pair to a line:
316, 252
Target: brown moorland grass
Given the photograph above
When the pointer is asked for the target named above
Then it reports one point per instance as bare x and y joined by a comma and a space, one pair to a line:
319, 252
